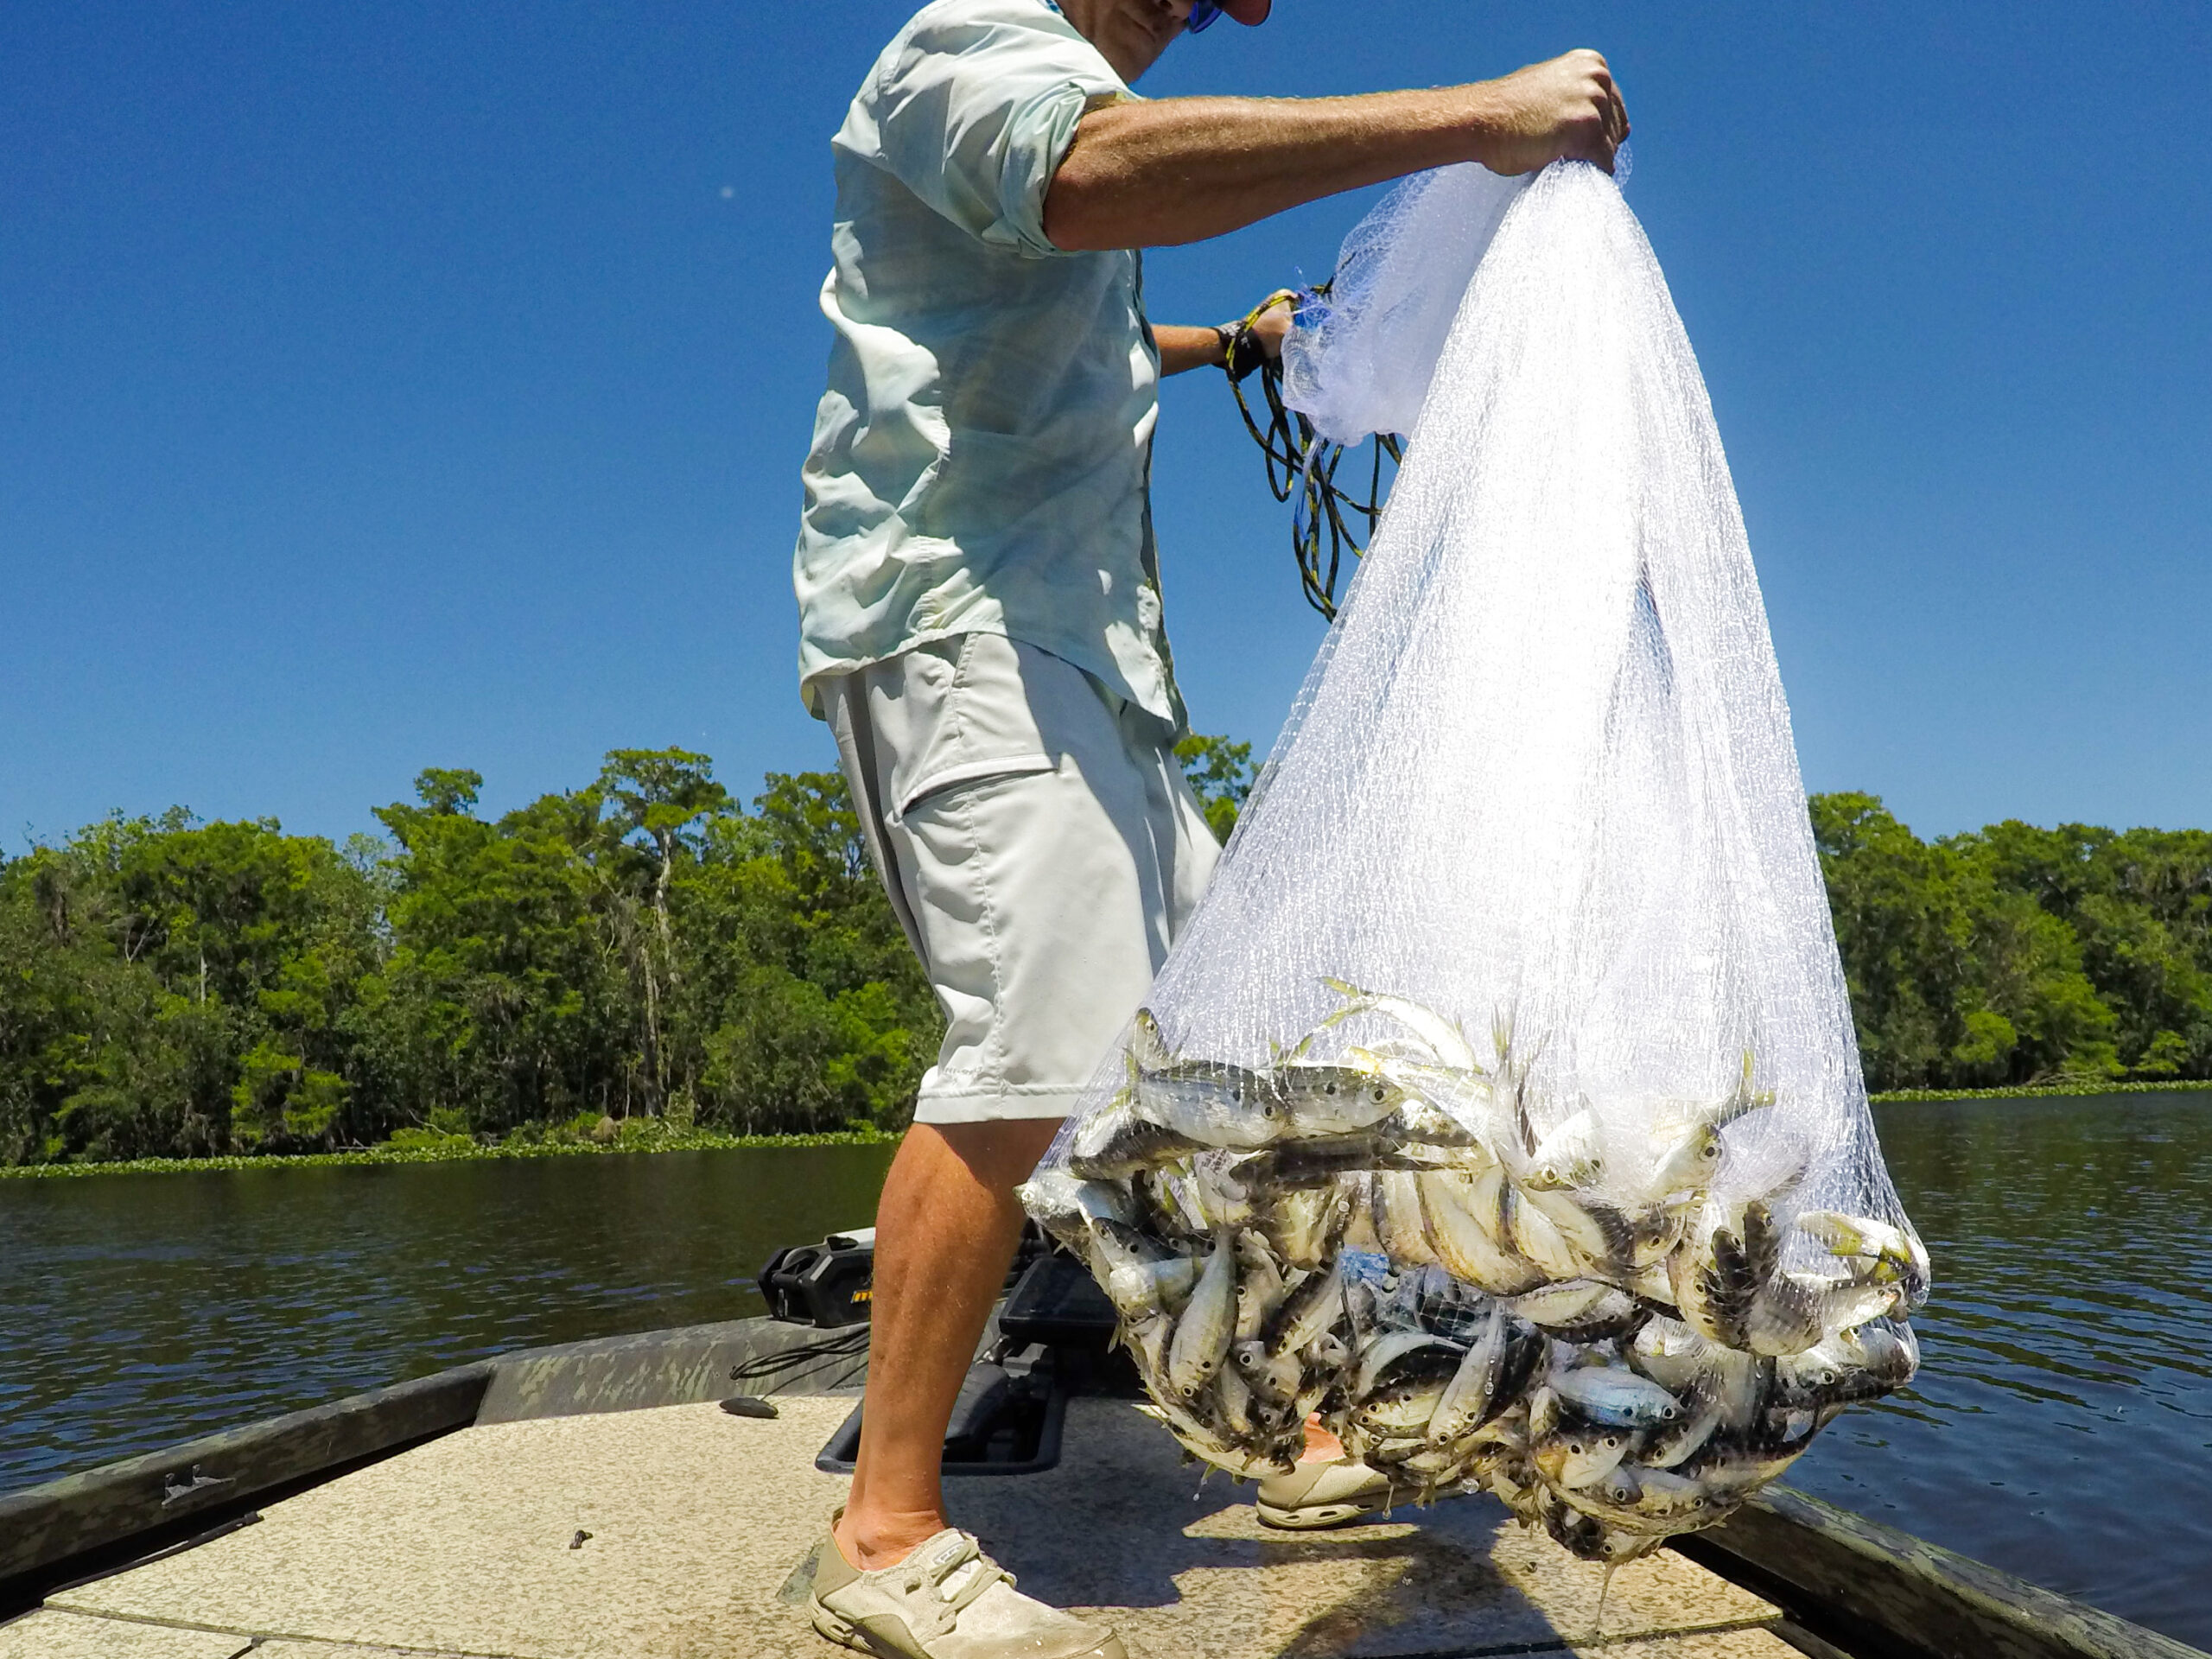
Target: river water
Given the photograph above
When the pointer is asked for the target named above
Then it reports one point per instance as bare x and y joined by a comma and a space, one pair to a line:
2061, 1426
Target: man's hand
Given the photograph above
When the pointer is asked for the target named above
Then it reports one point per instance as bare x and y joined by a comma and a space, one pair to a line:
1183, 349
1272, 327
1567, 109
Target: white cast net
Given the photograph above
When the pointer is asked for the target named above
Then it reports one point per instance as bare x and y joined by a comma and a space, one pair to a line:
1501, 1103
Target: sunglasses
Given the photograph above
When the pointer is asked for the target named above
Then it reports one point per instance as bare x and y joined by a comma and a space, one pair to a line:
1203, 12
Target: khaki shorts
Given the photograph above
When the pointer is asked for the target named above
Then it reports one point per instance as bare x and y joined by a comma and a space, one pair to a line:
1041, 849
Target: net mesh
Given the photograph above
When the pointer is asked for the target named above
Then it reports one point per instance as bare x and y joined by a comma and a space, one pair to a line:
1501, 1102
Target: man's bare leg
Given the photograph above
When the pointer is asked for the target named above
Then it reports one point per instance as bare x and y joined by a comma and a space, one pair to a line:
945, 1230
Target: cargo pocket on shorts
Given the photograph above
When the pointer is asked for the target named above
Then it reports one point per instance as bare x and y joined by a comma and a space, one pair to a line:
972, 720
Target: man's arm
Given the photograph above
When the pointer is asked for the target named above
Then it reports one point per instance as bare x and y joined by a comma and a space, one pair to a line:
1181, 169
1182, 348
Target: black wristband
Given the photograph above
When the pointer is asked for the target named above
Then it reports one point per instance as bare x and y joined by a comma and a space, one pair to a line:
1240, 351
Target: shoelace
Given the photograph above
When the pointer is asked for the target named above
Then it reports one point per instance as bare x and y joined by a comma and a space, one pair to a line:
950, 1600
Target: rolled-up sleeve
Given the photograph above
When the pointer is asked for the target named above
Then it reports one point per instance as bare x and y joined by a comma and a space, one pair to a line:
977, 110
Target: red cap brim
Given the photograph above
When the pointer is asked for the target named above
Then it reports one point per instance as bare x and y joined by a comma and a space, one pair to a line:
1250, 13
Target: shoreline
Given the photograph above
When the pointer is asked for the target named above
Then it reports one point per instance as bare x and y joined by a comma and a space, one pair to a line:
459, 1150
2041, 1092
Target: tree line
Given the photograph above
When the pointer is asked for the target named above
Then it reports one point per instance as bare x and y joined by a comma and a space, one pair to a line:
649, 947
2013, 955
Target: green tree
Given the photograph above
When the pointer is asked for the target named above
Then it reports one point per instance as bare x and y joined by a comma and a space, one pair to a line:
659, 800
1221, 774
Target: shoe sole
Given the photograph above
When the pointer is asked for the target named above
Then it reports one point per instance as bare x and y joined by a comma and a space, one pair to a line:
1316, 1517
831, 1628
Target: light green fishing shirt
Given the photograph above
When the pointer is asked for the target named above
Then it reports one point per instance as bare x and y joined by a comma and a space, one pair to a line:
982, 458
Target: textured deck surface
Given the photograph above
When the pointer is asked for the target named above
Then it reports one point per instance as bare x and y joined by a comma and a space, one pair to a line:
462, 1548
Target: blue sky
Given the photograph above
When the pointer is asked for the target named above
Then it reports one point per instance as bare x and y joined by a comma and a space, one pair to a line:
384, 387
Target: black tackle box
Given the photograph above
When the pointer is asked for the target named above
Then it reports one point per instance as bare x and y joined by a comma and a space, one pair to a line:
829, 1284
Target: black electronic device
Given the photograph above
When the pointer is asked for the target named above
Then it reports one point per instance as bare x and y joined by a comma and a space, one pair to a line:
828, 1285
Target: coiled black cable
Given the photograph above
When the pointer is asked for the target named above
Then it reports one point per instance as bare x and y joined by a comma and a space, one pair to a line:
1300, 463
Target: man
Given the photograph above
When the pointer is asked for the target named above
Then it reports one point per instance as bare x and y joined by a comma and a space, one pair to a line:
981, 626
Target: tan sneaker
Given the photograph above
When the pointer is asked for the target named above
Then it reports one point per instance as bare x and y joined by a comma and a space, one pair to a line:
946, 1600
1316, 1495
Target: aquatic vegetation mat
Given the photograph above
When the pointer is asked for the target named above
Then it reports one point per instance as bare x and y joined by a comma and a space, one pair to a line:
1501, 1103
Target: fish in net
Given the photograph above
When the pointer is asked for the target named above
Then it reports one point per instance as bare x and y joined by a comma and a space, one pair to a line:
1500, 1104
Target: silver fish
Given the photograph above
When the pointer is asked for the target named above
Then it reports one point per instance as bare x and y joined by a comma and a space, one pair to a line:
1388, 1349
1209, 1102
1684, 1163
1176, 1205
1466, 1220
1538, 1240
1065, 1205
1272, 1377
1202, 1441
1442, 1107
1614, 1315
1560, 1302
1600, 1235
1580, 1454
1793, 1310
1571, 1155
1843, 1368
1617, 1396
1893, 1253
1404, 1397
1707, 1406
1308, 1310
1139, 1275
1318, 1163
1119, 1142
1394, 1206
1444, 1040
1260, 1286
1669, 1353
1320, 1101
1724, 1262
1233, 1397
1202, 1334
1146, 1337
1468, 1398
1663, 1495
1654, 1233
1303, 1226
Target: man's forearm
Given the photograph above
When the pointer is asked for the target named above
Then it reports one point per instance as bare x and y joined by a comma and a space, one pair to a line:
1182, 348
1182, 169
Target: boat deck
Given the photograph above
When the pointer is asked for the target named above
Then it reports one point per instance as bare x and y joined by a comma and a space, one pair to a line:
673, 1532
